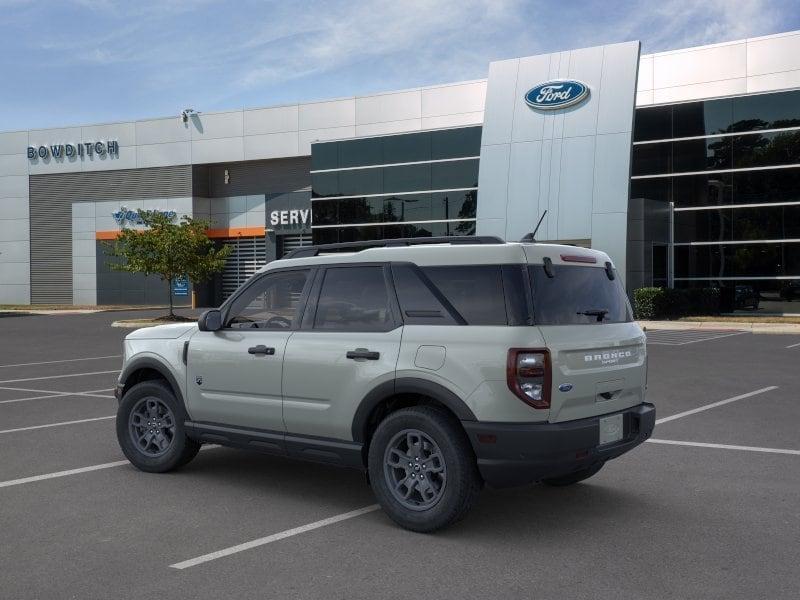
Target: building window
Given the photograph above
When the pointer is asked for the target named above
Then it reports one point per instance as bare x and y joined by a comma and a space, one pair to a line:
405, 185
735, 188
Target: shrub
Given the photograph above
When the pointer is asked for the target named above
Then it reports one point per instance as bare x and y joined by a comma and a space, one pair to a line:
648, 302
665, 303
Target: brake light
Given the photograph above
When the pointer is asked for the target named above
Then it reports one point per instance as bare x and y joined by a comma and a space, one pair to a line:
528, 375
579, 258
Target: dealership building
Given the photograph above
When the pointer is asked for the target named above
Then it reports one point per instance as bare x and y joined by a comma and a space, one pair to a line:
683, 165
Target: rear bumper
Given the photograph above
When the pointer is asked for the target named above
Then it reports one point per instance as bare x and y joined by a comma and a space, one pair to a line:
512, 454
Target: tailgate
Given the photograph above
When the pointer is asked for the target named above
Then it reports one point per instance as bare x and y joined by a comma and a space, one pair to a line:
597, 369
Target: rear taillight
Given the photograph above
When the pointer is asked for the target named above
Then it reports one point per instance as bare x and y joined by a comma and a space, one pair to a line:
528, 376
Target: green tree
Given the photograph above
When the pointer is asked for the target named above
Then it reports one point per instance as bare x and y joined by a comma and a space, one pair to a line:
168, 249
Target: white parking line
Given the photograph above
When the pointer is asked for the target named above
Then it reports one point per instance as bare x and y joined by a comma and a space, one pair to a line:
56, 424
682, 337
792, 346
59, 376
715, 404
66, 360
275, 537
12, 482
725, 446
54, 394
119, 463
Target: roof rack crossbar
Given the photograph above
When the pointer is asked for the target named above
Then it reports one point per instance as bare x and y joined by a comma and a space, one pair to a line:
307, 251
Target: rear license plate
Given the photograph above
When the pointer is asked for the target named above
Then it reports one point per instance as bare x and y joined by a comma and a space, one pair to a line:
611, 429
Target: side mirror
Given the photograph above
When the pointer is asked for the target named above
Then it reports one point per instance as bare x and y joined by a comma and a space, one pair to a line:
211, 320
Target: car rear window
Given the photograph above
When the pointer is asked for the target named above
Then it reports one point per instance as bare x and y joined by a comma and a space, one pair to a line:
577, 295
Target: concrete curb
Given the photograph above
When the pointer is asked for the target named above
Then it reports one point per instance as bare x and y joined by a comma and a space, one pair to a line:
139, 325
753, 327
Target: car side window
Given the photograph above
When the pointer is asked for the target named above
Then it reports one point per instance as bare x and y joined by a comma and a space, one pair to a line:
354, 299
272, 302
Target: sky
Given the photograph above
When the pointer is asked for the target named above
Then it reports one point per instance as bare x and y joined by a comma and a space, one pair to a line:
73, 62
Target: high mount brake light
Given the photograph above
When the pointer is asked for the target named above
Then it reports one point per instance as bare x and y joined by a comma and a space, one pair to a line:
528, 374
579, 258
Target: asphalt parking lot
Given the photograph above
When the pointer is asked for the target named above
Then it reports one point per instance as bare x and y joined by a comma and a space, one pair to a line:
710, 508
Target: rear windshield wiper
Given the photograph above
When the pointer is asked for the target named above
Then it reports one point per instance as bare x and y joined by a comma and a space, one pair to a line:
595, 312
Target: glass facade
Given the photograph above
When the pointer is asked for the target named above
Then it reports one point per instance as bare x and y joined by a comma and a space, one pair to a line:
406, 185
731, 169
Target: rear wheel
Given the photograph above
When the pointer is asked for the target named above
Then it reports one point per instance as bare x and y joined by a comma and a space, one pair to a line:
422, 469
150, 428
573, 477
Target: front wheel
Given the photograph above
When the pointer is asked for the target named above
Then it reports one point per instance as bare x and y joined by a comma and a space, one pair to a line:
150, 428
573, 477
422, 469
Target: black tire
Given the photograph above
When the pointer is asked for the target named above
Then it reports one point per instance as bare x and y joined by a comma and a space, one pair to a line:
179, 449
573, 477
462, 482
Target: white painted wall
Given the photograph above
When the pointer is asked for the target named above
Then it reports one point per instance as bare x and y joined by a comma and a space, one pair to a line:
572, 162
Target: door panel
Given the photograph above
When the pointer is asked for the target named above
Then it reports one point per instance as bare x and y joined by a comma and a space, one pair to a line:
236, 387
322, 388
349, 344
234, 374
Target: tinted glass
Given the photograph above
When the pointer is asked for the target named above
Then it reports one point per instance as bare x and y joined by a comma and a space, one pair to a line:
407, 148
702, 118
272, 302
325, 212
360, 181
357, 153
454, 143
325, 156
353, 299
658, 188
702, 190
653, 123
411, 178
476, 292
454, 205
333, 235
779, 185
456, 174
765, 149
418, 302
763, 223
573, 291
738, 260
325, 184
702, 155
651, 159
408, 207
766, 111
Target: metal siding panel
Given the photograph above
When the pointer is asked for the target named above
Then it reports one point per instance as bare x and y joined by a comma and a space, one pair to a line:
260, 177
51, 198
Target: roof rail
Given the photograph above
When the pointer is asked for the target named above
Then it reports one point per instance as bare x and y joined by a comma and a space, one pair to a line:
418, 241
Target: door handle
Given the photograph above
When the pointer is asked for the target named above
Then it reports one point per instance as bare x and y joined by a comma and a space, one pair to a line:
261, 349
363, 353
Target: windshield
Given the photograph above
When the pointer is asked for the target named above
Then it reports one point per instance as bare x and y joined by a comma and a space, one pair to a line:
577, 295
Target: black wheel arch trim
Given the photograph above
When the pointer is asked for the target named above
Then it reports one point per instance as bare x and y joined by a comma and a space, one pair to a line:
148, 362
407, 385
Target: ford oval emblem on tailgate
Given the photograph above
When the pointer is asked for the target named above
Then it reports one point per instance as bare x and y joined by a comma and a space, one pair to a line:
565, 387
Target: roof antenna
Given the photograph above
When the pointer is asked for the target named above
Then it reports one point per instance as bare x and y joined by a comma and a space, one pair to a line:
530, 238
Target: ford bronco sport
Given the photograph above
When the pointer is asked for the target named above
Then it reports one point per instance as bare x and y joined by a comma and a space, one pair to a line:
435, 365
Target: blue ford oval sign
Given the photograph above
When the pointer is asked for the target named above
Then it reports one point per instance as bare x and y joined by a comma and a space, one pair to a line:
556, 94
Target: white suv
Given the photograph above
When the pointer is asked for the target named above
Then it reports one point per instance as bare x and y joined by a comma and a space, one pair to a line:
435, 365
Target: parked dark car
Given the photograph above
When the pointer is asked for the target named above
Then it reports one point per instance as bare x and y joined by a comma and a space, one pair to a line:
790, 291
746, 297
